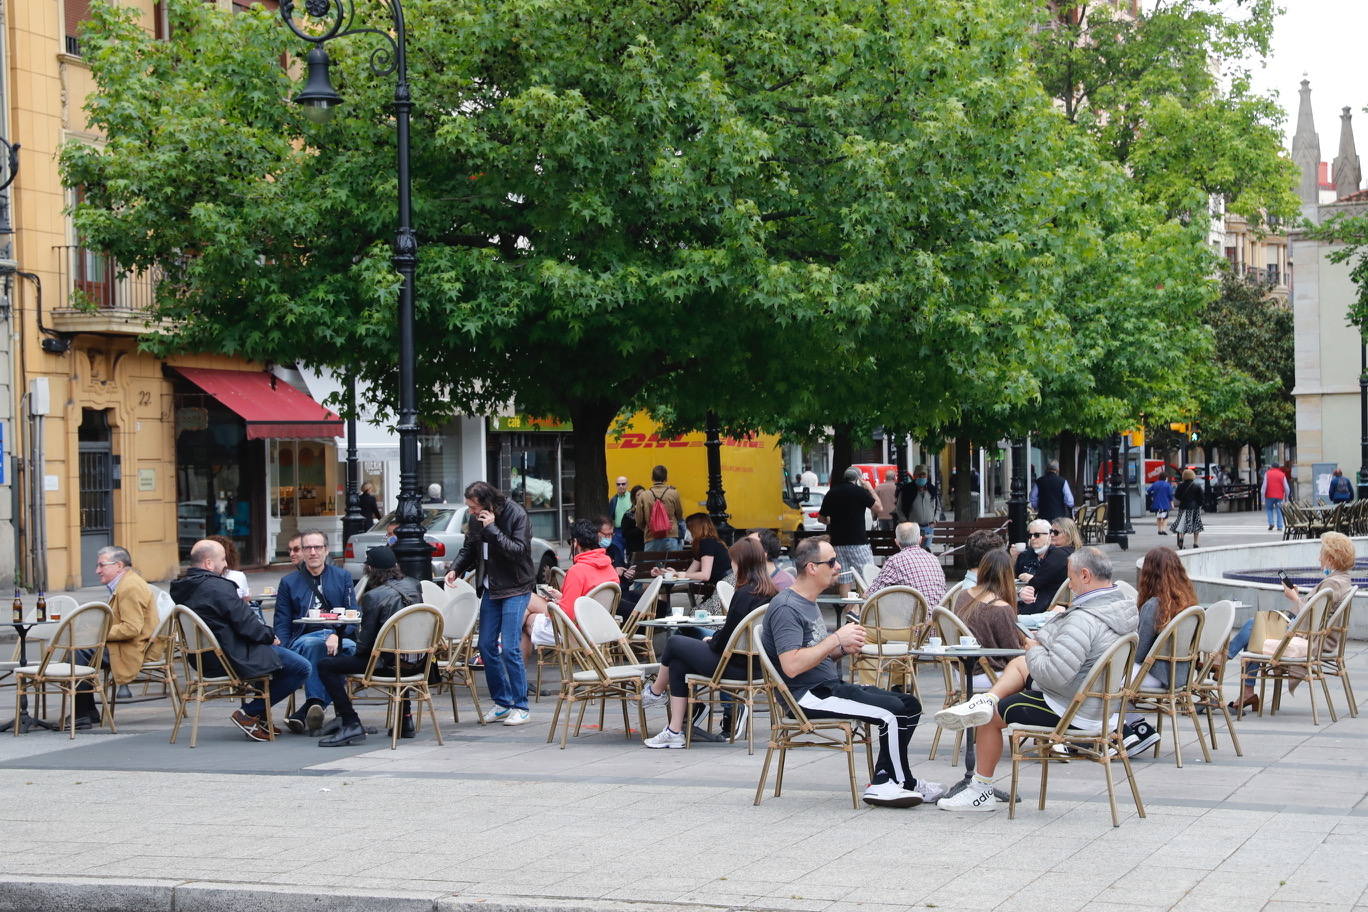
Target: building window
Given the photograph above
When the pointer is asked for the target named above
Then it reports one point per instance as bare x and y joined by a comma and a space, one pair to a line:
76, 12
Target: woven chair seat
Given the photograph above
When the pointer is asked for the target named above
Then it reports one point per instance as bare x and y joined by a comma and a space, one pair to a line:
57, 670
885, 649
614, 673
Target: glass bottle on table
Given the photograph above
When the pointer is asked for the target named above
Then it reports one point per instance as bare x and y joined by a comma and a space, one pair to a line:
42, 607
18, 607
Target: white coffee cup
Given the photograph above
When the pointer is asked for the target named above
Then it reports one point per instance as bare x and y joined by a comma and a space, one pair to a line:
677, 611
968, 642
934, 643
314, 612
1019, 547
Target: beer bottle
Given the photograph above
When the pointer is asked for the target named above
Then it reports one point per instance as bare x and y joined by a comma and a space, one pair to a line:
42, 607
18, 607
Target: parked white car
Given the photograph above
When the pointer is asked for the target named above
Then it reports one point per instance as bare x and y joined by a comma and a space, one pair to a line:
445, 524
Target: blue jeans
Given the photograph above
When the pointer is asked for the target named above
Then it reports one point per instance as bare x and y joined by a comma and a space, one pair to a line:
294, 668
1239, 643
662, 544
1273, 510
502, 619
313, 646
928, 532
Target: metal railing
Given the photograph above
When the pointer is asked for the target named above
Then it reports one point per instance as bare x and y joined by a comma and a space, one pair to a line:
92, 281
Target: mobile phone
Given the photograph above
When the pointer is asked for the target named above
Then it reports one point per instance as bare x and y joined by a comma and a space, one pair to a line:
1282, 575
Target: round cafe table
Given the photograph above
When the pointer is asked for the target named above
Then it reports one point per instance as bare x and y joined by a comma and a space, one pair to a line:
968, 658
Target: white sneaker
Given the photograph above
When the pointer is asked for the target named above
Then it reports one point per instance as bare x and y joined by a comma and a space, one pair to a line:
891, 794
650, 698
497, 713
665, 739
931, 792
969, 714
517, 717
971, 798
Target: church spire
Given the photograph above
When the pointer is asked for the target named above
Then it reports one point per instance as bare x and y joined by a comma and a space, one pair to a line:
1346, 171
1306, 152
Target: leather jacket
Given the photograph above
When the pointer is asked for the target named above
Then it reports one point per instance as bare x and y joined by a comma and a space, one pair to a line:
507, 570
378, 605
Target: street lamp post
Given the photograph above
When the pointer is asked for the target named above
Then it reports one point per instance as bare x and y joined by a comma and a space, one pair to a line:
717, 496
319, 99
1016, 499
1116, 499
1363, 416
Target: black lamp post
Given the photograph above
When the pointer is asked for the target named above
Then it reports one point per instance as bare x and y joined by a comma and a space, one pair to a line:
1116, 499
1363, 416
319, 99
717, 497
1016, 499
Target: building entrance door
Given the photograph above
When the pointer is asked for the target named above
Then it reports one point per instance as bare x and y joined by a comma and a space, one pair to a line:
96, 454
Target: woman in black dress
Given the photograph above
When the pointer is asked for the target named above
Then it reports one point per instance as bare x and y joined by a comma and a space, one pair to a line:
1188, 499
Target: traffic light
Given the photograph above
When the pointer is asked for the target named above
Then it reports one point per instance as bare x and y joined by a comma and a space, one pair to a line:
1180, 427
1196, 433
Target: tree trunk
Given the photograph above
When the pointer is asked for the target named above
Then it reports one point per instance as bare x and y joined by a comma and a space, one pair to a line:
842, 451
591, 421
964, 474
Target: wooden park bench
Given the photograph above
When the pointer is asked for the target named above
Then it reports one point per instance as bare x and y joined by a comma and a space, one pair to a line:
1238, 497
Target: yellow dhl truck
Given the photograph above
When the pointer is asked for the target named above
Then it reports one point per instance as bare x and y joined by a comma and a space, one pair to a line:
753, 474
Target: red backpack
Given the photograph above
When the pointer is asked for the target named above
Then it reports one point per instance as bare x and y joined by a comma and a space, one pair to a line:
658, 521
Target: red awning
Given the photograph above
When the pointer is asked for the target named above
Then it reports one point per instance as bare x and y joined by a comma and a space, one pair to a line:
270, 406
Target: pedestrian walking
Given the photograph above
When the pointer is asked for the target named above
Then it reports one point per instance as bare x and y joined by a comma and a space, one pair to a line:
1160, 496
1189, 498
1274, 492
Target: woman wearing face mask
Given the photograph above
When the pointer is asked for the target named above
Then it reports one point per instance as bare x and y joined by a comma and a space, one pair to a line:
1336, 560
919, 502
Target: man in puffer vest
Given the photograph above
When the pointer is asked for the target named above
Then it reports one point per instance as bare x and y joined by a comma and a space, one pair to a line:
1037, 688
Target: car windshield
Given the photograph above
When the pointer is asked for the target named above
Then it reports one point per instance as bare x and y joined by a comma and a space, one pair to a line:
814, 499
435, 519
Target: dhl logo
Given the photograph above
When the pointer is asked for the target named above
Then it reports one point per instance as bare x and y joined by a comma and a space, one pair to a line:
655, 441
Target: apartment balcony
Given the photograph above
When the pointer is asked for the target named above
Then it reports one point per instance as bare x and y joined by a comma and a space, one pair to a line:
95, 295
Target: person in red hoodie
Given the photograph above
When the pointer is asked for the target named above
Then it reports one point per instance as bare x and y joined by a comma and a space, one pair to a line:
590, 566
1274, 492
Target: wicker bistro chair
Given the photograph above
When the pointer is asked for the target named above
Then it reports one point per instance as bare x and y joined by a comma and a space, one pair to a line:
460, 624
715, 689
61, 670
790, 729
641, 638
1108, 681
895, 620
1331, 656
435, 595
586, 676
161, 670
1279, 666
1179, 644
948, 600
208, 673
1208, 681
409, 640
950, 628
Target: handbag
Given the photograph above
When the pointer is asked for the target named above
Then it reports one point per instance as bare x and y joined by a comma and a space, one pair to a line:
1268, 625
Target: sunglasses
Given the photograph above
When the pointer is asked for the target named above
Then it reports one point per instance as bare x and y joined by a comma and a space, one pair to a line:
828, 563
1038, 534
1056, 531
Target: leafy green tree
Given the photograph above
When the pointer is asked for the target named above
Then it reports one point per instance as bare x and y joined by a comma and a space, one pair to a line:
768, 209
1166, 93
1253, 402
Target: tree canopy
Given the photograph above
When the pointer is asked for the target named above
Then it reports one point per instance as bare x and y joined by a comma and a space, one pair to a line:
793, 215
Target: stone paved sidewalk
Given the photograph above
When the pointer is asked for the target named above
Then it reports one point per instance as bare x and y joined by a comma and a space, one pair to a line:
496, 818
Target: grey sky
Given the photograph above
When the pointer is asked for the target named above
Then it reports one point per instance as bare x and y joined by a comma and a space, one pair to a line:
1324, 40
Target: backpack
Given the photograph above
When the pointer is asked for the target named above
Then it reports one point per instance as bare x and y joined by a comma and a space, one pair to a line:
658, 521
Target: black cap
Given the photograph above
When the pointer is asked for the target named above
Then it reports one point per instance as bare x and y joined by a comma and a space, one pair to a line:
381, 557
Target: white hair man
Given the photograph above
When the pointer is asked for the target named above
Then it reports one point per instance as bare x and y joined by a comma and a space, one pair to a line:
912, 566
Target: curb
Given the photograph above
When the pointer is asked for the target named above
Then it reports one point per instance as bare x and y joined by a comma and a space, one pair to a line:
82, 894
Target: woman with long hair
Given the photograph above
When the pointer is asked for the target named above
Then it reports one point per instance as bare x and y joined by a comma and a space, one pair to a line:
1188, 497
988, 609
684, 655
234, 572
1064, 534
1163, 591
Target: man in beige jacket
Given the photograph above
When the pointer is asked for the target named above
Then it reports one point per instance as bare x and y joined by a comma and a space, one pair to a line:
135, 620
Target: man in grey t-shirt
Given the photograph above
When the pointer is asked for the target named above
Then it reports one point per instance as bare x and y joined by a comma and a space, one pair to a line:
795, 637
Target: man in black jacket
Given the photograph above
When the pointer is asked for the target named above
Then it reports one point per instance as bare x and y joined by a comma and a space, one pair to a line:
387, 591
1050, 495
498, 546
250, 646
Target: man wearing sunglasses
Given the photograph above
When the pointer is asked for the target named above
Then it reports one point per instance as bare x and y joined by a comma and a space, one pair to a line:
1043, 566
796, 639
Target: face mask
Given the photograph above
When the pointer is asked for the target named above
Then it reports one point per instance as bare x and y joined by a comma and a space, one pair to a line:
921, 482
605, 542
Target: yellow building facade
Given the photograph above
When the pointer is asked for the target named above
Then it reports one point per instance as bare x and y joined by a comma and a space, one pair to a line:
96, 431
